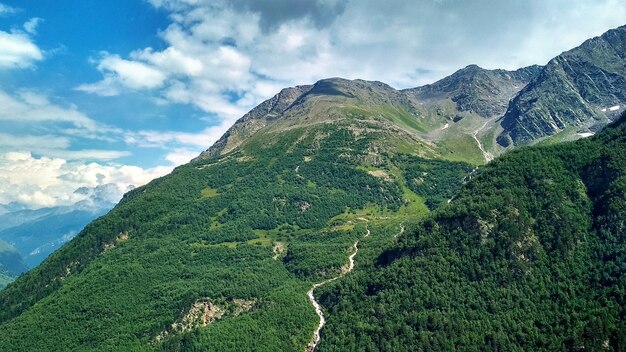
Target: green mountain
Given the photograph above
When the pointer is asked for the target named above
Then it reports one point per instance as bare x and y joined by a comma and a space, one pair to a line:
221, 253
579, 90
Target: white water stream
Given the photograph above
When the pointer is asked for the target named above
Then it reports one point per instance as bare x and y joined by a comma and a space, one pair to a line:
318, 309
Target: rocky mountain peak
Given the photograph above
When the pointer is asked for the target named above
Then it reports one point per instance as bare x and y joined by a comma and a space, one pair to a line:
584, 88
475, 89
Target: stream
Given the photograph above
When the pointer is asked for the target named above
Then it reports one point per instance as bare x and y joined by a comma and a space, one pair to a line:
318, 309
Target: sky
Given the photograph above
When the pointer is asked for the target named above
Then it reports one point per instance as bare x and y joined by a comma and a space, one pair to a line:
119, 92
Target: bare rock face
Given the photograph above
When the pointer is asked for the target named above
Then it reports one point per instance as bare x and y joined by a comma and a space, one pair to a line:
475, 89
254, 120
583, 87
204, 312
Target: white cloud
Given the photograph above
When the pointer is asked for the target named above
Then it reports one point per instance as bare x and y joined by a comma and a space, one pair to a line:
171, 60
7, 10
200, 140
107, 87
133, 74
52, 139
181, 156
18, 51
83, 154
31, 25
56, 147
219, 53
29, 106
50, 136
120, 73
46, 181
30, 142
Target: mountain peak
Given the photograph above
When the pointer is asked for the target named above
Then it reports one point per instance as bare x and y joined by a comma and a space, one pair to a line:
584, 87
307, 104
478, 90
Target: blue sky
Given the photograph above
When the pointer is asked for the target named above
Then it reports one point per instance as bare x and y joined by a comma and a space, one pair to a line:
121, 91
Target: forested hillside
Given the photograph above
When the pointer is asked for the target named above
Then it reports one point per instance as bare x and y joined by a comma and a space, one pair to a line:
531, 255
221, 253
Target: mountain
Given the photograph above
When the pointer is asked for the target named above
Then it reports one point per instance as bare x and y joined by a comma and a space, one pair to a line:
223, 250
475, 113
350, 203
47, 230
530, 255
220, 254
11, 264
443, 117
35, 233
579, 90
474, 89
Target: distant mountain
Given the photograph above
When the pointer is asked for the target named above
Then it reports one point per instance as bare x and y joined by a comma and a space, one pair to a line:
41, 235
5, 278
473, 89
37, 233
579, 90
11, 264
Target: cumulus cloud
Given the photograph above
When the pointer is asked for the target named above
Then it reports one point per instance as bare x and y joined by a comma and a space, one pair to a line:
43, 167
224, 57
120, 73
17, 50
47, 181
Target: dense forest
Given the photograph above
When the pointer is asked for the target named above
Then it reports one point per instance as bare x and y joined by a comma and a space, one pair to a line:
530, 256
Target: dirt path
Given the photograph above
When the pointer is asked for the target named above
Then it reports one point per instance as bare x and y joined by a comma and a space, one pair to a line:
488, 156
318, 309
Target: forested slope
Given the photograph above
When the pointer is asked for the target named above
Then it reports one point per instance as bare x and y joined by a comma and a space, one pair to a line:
219, 255
530, 256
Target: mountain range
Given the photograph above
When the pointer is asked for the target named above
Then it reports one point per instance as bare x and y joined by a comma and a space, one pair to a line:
474, 113
348, 215
32, 234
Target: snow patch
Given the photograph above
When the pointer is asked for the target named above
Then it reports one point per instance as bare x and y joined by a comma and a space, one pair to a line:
445, 126
603, 110
586, 134
614, 108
